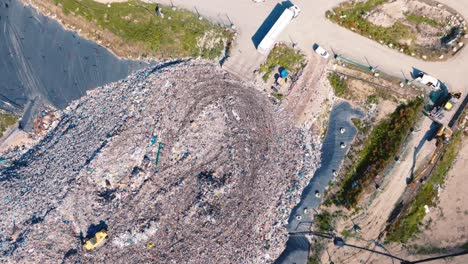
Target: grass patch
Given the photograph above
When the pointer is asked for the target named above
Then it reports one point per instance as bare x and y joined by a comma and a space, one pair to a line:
408, 225
411, 17
324, 222
278, 96
135, 22
379, 150
6, 120
283, 56
360, 126
316, 249
339, 85
352, 15
372, 99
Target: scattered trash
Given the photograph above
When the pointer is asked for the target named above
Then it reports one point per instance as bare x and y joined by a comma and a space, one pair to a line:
317, 194
154, 139
426, 209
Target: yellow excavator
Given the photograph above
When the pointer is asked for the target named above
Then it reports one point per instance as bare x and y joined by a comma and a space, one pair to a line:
443, 136
444, 133
98, 240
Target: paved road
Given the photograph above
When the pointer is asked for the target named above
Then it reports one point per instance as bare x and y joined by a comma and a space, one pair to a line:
312, 26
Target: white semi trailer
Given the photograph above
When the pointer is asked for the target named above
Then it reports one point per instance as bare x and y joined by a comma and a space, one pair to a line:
270, 38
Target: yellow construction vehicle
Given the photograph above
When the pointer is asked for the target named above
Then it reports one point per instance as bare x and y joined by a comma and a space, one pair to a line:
443, 136
456, 95
444, 133
97, 241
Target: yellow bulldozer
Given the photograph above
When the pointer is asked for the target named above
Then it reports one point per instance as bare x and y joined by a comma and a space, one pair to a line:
98, 240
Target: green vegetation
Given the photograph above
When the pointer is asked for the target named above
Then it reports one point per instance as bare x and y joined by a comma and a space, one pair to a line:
346, 233
179, 34
360, 125
6, 120
421, 19
352, 15
278, 96
324, 222
408, 225
339, 86
316, 249
431, 249
283, 56
372, 99
380, 149
427, 249
465, 246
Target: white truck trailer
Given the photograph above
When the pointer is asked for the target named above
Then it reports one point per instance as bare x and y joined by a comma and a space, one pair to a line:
270, 38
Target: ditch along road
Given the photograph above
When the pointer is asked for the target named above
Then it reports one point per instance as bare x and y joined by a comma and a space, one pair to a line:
310, 27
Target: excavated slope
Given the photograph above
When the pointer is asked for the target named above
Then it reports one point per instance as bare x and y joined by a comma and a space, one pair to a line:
227, 162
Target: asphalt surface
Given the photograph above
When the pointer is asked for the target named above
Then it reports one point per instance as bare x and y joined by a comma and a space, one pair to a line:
297, 247
40, 62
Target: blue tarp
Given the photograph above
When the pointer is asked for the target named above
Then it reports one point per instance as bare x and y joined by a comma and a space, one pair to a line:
284, 73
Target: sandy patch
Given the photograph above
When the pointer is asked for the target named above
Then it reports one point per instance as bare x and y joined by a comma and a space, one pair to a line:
449, 221
387, 14
16, 138
307, 97
385, 108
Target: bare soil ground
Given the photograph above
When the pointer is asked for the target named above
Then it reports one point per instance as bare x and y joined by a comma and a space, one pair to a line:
362, 84
16, 138
385, 108
447, 224
310, 95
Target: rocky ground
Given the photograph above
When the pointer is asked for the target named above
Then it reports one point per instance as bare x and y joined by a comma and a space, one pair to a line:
228, 160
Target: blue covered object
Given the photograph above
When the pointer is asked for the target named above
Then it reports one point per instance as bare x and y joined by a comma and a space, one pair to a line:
284, 73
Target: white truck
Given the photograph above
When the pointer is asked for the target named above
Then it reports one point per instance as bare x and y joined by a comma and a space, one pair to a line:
270, 38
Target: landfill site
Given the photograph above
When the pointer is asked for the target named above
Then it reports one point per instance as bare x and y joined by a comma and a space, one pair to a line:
177, 163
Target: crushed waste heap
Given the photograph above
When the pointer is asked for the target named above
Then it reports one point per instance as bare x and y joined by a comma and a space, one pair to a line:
179, 163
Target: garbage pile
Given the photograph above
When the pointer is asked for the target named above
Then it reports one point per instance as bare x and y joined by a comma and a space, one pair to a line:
179, 163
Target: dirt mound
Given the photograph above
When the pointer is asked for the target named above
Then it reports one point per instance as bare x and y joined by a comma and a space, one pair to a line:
226, 160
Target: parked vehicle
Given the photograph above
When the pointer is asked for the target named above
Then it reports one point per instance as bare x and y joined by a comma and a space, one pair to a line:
321, 51
428, 80
270, 38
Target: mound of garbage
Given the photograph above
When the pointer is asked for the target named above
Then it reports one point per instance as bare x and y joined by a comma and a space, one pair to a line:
178, 163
